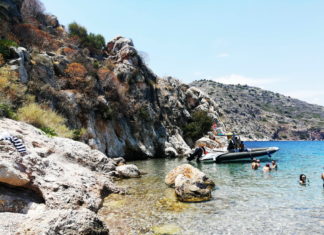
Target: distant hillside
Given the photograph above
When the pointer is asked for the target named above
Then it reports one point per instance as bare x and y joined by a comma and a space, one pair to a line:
261, 114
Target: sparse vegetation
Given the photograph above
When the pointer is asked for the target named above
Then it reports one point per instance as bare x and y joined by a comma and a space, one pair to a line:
44, 118
94, 42
199, 125
76, 70
5, 49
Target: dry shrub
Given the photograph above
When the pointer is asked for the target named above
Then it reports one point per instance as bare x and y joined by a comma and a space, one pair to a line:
103, 73
69, 51
45, 119
2, 60
29, 35
10, 86
76, 70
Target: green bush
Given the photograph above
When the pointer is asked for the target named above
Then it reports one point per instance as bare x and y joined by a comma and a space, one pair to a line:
49, 131
7, 111
77, 30
91, 40
199, 125
5, 47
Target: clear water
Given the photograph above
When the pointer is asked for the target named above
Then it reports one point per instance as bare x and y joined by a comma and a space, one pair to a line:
244, 202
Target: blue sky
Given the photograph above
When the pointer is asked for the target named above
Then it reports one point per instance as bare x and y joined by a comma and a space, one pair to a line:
272, 44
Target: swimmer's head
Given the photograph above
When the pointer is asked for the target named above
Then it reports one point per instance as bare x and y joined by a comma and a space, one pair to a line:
267, 165
302, 177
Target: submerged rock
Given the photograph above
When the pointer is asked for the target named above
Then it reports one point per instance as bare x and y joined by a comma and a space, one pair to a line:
191, 185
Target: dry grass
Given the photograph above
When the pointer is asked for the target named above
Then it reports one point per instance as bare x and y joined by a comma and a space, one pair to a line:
44, 118
10, 86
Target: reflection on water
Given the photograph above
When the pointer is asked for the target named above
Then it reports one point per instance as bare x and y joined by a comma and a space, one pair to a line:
244, 202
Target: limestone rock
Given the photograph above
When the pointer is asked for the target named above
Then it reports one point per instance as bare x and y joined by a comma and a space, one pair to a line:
10, 174
128, 171
68, 222
192, 190
186, 170
191, 185
67, 177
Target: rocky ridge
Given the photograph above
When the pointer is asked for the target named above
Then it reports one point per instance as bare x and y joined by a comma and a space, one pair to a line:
258, 114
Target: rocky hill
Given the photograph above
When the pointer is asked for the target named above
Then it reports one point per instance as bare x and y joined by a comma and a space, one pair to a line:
259, 114
104, 93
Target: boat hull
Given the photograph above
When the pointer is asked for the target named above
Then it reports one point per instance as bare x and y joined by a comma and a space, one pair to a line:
259, 153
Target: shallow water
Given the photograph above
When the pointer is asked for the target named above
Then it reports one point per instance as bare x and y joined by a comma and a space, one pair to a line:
244, 201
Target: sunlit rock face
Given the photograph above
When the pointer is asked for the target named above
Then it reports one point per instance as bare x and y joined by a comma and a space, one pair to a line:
126, 109
58, 180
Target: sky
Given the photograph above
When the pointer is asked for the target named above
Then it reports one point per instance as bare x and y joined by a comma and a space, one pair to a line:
277, 45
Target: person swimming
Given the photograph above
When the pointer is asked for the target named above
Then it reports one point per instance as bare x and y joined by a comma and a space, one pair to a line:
274, 165
303, 179
258, 163
254, 164
267, 168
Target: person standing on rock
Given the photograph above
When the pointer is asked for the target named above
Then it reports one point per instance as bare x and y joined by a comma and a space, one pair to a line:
15, 141
197, 153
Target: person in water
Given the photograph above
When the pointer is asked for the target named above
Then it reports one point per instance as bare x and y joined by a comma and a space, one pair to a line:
303, 179
254, 164
274, 165
258, 163
197, 153
267, 168
322, 176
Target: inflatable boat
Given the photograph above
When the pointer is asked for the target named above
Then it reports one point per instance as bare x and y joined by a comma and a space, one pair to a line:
247, 155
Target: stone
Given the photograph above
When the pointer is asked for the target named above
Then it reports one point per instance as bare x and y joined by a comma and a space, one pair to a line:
9, 174
192, 190
68, 222
128, 171
186, 170
191, 185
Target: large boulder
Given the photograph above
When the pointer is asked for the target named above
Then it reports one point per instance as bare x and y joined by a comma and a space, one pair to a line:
191, 190
128, 171
58, 173
191, 185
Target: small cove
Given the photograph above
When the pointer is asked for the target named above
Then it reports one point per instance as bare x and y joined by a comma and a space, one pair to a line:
244, 201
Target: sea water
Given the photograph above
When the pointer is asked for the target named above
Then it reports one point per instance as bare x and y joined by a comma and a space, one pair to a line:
244, 201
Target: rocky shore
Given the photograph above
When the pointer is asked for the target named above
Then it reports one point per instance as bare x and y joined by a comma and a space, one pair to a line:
56, 189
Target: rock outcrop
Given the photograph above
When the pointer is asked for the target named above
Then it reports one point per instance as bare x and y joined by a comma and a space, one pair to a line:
126, 109
59, 180
191, 185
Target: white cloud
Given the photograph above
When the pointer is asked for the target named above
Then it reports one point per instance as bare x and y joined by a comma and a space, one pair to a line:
240, 79
310, 96
222, 55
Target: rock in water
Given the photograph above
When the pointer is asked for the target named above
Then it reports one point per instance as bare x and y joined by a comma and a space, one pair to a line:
128, 171
190, 190
191, 185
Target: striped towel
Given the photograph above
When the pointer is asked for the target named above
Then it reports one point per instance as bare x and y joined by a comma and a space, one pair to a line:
16, 142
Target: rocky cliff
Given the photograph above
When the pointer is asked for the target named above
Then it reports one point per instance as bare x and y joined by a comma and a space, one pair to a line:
259, 114
124, 108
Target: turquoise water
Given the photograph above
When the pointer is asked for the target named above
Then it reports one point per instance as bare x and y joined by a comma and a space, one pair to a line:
244, 202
